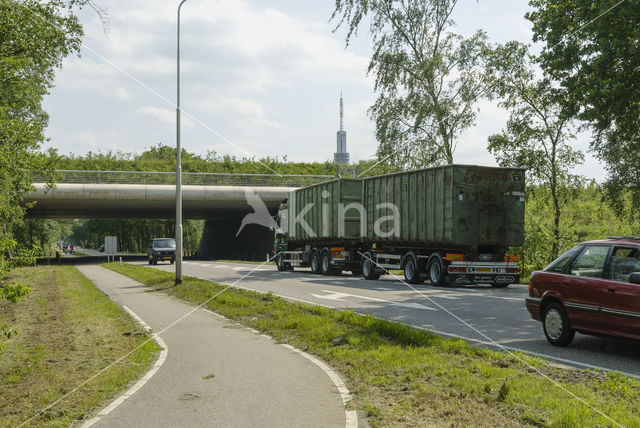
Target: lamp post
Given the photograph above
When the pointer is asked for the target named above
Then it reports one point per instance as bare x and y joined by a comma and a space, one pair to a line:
178, 165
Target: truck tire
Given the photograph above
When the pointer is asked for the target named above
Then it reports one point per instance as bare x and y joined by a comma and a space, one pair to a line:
150, 261
325, 263
155, 261
411, 271
369, 269
436, 273
315, 261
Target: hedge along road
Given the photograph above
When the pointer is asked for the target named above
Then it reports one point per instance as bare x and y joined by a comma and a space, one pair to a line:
499, 314
216, 374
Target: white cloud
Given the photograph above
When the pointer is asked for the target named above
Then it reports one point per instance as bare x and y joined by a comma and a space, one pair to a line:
165, 116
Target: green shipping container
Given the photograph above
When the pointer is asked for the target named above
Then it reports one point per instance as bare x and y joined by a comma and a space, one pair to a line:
321, 208
470, 208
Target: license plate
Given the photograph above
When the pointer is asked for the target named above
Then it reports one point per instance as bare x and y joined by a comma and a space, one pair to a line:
484, 269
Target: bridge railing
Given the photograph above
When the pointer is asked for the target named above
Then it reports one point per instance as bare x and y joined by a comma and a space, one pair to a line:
188, 178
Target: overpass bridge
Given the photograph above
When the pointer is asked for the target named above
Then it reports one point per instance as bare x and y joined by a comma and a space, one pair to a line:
218, 198
129, 194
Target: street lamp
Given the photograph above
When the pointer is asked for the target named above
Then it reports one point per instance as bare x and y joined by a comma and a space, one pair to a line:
178, 166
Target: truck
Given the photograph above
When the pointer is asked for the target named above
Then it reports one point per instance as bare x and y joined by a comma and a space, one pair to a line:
451, 225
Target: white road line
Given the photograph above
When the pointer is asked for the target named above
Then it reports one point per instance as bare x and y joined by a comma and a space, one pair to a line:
340, 296
159, 362
537, 354
383, 289
351, 416
338, 282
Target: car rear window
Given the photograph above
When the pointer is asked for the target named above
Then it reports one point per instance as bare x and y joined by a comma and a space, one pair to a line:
558, 265
590, 262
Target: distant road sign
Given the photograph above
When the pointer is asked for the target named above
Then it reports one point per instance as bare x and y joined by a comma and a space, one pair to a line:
110, 244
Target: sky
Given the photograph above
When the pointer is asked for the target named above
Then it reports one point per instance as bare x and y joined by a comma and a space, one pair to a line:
258, 79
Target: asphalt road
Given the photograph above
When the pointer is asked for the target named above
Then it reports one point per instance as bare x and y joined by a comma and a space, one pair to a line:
216, 374
480, 314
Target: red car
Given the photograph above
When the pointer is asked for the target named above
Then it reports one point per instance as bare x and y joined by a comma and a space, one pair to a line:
594, 288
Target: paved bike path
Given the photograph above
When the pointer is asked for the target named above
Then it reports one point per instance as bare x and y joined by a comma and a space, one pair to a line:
216, 374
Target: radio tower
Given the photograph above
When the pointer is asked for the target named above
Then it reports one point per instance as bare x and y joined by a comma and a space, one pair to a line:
341, 156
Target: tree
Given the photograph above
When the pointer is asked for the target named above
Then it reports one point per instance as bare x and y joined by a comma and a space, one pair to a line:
427, 77
34, 38
538, 129
592, 48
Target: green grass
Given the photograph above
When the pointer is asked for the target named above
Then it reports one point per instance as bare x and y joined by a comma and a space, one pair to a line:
69, 331
400, 376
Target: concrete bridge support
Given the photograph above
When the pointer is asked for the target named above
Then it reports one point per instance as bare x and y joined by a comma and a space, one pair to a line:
219, 240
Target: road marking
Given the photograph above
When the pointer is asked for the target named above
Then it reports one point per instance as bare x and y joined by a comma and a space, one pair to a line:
159, 362
447, 297
383, 289
340, 297
351, 416
338, 282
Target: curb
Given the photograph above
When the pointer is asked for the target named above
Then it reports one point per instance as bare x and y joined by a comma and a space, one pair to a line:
159, 362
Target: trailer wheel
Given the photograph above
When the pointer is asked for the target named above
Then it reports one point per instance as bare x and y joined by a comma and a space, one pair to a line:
436, 274
369, 269
315, 261
411, 272
280, 263
325, 263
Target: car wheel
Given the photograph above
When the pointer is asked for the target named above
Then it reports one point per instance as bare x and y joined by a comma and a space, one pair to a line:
436, 274
555, 323
369, 269
411, 273
325, 263
315, 261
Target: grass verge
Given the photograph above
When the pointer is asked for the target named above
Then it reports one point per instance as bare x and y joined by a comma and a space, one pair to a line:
400, 376
69, 331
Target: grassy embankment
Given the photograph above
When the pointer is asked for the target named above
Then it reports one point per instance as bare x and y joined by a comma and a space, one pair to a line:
69, 331
405, 377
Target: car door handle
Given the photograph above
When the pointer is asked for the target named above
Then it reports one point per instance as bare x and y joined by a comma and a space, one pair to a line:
565, 283
611, 290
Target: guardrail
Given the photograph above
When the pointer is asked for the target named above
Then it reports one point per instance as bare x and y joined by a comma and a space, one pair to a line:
188, 178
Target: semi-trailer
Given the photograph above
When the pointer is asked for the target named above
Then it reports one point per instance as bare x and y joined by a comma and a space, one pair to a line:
450, 224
